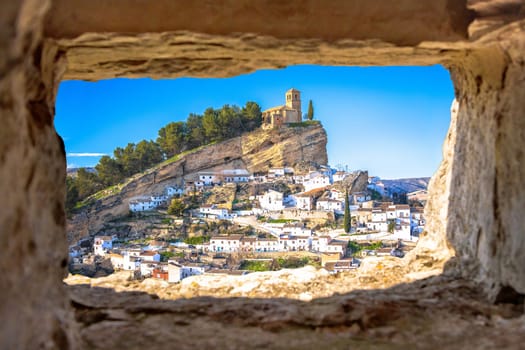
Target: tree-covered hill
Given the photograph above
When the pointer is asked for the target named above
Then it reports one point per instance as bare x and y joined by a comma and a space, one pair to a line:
214, 125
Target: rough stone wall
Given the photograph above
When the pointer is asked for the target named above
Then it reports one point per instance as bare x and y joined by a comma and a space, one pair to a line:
487, 197
478, 189
34, 307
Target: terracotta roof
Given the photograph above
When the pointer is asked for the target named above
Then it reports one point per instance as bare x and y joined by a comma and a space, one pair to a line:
148, 253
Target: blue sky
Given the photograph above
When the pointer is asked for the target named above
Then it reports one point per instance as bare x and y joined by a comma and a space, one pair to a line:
390, 121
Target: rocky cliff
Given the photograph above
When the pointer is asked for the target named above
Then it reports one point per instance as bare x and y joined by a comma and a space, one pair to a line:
256, 151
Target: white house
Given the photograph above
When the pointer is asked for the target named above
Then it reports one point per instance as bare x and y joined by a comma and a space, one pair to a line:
178, 271
303, 201
102, 244
209, 178
174, 191
131, 252
336, 247
363, 215
381, 226
287, 244
227, 244
360, 197
267, 245
144, 203
402, 231
339, 176
298, 179
147, 267
337, 195
330, 205
174, 271
258, 178
213, 211
236, 175
320, 243
391, 212
247, 244
192, 269
278, 172
141, 204
303, 243
403, 211
272, 200
378, 215
296, 230
316, 181
159, 199
149, 256
117, 260
292, 243
124, 261
130, 262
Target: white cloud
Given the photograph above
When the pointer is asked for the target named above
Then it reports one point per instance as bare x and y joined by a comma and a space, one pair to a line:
86, 154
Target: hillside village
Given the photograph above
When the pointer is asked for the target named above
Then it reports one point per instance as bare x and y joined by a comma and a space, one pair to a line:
288, 216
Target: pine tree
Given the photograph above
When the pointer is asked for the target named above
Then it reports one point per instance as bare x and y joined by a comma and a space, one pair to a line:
310, 114
346, 220
177, 207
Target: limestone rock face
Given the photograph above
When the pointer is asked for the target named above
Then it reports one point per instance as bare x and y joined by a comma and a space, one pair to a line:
487, 198
34, 309
434, 313
305, 283
256, 151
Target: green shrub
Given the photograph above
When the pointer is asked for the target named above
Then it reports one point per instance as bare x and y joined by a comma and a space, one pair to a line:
256, 266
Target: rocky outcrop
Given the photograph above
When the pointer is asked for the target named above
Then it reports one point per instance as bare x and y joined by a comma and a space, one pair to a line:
434, 313
305, 283
256, 151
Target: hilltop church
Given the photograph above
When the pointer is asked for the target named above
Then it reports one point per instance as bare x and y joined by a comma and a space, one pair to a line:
289, 113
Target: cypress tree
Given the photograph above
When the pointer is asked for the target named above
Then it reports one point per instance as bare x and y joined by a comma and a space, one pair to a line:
346, 220
310, 114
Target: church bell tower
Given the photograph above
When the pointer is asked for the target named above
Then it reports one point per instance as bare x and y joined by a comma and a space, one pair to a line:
293, 101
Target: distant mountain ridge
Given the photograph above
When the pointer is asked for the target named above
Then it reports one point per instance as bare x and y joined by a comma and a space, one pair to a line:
406, 185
